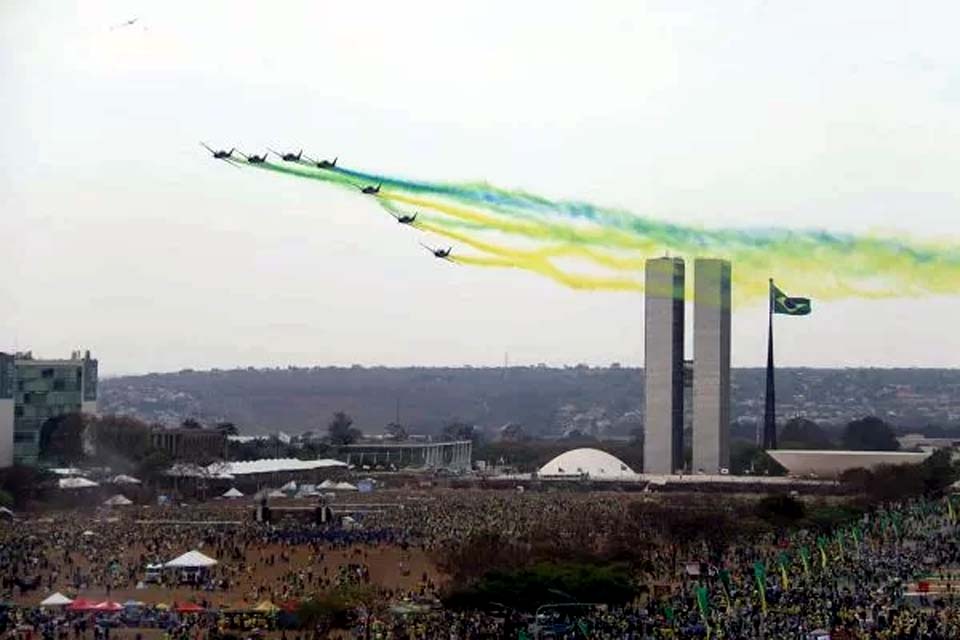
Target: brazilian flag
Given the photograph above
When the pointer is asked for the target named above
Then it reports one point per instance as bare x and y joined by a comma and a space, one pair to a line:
784, 304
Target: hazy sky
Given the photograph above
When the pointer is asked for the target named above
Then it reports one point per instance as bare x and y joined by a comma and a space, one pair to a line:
122, 236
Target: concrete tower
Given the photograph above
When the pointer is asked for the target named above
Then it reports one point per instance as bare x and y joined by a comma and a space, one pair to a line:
663, 366
711, 365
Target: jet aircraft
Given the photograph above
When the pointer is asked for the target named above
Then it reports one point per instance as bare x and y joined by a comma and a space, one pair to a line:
325, 164
370, 190
443, 254
407, 219
288, 157
219, 155
254, 159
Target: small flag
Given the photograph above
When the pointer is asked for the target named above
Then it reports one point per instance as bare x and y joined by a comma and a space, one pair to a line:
821, 544
950, 512
784, 304
668, 613
703, 602
760, 573
805, 559
784, 580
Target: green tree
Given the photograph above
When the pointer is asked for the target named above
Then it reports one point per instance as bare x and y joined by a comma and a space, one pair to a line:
803, 433
396, 431
228, 429
341, 430
461, 431
870, 434
191, 423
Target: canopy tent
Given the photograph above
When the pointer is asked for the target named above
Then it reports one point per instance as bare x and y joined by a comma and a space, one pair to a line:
232, 492
118, 500
327, 484
187, 607
76, 483
133, 604
290, 487
6, 513
80, 604
124, 479
56, 600
276, 493
107, 605
191, 560
266, 607
344, 486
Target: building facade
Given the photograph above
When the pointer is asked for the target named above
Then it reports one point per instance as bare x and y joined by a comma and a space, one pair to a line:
34, 391
663, 365
711, 366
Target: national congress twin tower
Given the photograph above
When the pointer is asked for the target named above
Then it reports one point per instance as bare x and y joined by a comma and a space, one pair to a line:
666, 378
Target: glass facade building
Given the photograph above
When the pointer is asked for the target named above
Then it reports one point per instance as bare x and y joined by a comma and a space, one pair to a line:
35, 391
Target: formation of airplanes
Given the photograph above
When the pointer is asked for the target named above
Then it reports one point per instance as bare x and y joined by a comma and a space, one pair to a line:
298, 157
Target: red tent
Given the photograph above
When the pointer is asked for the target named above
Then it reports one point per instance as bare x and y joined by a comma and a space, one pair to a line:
107, 605
187, 607
80, 604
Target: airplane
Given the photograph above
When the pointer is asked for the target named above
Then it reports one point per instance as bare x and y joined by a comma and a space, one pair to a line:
128, 23
219, 155
325, 164
254, 159
407, 219
289, 157
371, 190
438, 253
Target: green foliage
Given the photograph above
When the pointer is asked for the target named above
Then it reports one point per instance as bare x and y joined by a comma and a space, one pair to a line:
780, 510
191, 423
461, 431
802, 433
887, 483
22, 483
228, 429
61, 439
748, 458
870, 434
824, 516
6, 499
543, 583
341, 430
396, 432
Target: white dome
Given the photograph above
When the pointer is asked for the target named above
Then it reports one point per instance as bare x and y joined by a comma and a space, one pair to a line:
593, 463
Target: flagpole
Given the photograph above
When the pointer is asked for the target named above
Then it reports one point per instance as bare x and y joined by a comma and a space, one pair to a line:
769, 409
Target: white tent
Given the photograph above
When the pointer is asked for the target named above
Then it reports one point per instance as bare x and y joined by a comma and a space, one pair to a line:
56, 600
191, 560
118, 500
327, 484
290, 486
6, 513
76, 483
345, 486
124, 479
232, 492
276, 493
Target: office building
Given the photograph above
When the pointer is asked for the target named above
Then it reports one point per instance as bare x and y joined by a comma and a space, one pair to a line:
33, 391
663, 365
711, 365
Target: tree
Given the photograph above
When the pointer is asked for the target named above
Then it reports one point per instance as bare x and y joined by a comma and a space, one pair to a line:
396, 431
228, 429
341, 430
61, 438
802, 433
513, 432
870, 434
191, 423
460, 431
151, 467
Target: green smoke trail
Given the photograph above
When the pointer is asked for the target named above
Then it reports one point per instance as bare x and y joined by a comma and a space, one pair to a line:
823, 264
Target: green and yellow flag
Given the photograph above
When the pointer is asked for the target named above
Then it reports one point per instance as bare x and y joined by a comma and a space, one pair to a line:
784, 580
805, 559
784, 304
760, 573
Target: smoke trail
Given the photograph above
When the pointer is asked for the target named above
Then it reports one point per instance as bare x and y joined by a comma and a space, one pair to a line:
823, 264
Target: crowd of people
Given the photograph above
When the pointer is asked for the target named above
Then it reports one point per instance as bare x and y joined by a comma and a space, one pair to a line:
855, 585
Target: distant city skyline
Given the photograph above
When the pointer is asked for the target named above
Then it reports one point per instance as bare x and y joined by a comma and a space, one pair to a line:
128, 240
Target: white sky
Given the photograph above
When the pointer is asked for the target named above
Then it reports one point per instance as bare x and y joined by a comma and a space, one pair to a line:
123, 237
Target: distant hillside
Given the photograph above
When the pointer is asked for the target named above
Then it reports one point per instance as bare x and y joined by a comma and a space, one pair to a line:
601, 401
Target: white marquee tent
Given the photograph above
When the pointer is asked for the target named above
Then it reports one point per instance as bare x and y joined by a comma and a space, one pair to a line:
191, 560
56, 600
232, 492
124, 479
118, 500
76, 483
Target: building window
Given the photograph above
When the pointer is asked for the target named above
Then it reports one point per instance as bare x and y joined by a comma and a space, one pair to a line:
18, 411
23, 436
59, 385
46, 373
